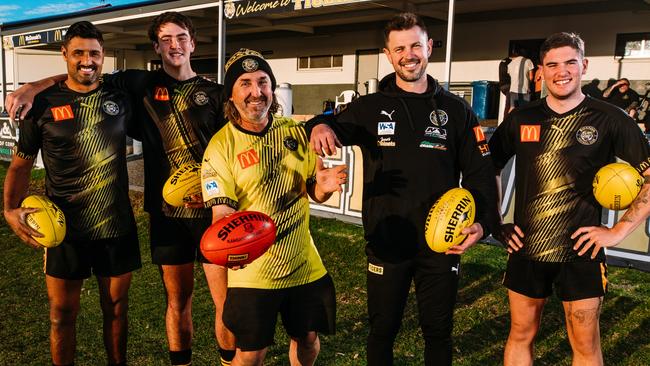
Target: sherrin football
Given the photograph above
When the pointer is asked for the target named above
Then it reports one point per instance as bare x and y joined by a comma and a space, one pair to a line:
616, 185
49, 221
452, 212
238, 239
184, 183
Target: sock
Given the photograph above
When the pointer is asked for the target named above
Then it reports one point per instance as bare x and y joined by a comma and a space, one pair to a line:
181, 358
226, 356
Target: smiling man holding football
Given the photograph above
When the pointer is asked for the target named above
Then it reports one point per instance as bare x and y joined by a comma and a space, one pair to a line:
556, 241
416, 139
259, 162
80, 128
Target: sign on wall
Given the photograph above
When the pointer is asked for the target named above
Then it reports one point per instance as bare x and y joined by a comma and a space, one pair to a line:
234, 9
35, 38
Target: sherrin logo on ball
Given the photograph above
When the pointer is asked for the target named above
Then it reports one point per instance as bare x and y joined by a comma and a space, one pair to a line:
452, 212
49, 221
616, 185
184, 183
238, 239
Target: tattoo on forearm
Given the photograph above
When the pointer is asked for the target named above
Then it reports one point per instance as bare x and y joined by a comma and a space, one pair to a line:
638, 204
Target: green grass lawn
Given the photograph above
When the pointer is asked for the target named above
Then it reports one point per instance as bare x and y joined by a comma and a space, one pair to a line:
481, 319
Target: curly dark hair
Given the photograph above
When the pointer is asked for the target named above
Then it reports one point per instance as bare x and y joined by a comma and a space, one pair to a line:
170, 17
83, 29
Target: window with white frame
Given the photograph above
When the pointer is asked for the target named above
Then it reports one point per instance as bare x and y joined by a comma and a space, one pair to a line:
320, 62
633, 45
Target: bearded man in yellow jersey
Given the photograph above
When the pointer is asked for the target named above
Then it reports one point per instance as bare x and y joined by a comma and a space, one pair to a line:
263, 163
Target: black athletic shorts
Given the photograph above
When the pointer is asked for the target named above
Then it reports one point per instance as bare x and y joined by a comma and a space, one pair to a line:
78, 259
176, 241
251, 314
572, 280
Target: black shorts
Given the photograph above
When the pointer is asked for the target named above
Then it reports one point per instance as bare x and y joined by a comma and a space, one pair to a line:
572, 280
251, 314
78, 259
176, 241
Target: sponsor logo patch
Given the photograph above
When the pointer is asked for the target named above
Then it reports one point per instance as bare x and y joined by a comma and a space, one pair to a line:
200, 98
478, 133
385, 128
529, 133
386, 141
484, 149
211, 187
62, 113
436, 132
438, 117
248, 158
587, 135
433, 145
372, 268
111, 108
160, 93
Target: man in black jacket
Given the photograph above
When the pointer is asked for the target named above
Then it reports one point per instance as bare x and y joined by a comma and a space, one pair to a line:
416, 140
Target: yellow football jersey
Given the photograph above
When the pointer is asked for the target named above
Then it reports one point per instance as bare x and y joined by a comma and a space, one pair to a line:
267, 172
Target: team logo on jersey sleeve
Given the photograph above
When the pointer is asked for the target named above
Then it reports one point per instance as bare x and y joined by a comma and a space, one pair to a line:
290, 143
438, 117
587, 135
111, 108
161, 94
529, 133
211, 187
200, 98
62, 113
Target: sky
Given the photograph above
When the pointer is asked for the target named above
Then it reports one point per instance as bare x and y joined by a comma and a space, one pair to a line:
16, 10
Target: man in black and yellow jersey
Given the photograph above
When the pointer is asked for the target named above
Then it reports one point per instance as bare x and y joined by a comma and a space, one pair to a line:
178, 112
556, 240
80, 127
262, 163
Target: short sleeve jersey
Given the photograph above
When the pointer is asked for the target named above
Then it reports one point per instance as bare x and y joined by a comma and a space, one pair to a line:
267, 172
557, 157
83, 142
175, 121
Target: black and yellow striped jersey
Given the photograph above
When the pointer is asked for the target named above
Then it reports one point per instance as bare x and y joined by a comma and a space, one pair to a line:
267, 172
82, 138
557, 157
175, 121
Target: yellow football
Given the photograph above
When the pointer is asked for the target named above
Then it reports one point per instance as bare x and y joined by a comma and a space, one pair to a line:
49, 221
616, 185
184, 183
452, 212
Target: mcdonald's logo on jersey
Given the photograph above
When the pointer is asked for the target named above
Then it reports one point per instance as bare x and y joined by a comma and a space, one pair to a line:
478, 133
529, 133
161, 94
62, 113
21, 40
248, 158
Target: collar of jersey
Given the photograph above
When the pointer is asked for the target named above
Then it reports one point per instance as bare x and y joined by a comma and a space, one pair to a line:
573, 110
63, 86
260, 134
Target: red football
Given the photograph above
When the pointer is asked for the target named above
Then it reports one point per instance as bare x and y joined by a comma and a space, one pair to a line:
238, 239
